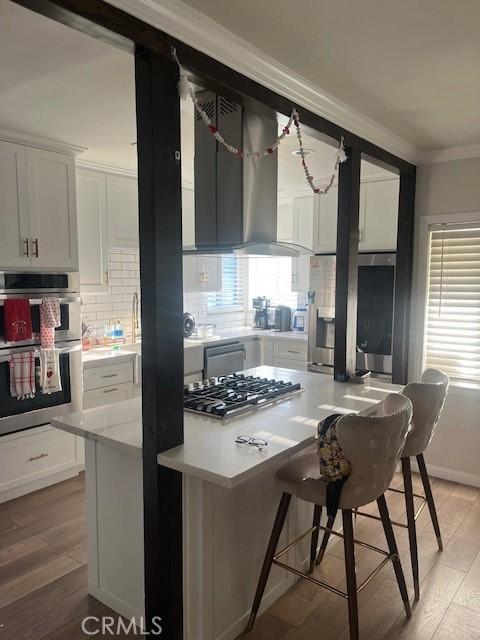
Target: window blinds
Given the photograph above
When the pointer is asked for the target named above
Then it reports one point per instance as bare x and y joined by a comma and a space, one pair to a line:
272, 277
231, 297
453, 306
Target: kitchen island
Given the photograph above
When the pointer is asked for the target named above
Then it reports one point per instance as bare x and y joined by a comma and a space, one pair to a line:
230, 498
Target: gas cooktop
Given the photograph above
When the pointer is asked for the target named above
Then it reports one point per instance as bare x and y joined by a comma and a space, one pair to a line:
229, 395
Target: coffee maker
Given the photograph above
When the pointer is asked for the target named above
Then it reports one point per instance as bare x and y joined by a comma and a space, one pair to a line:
261, 305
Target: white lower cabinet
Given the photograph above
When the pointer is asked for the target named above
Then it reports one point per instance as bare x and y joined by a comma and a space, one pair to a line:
290, 354
253, 353
108, 383
36, 458
107, 395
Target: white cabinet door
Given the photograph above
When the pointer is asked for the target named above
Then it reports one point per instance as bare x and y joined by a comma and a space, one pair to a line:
325, 222
302, 235
14, 236
379, 215
253, 354
92, 230
285, 221
202, 273
52, 207
188, 217
122, 211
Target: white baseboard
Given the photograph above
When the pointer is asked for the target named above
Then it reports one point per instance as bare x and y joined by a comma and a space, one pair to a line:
40, 483
453, 475
118, 605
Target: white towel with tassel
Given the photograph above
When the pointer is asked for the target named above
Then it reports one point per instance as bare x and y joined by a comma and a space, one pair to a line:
22, 375
50, 380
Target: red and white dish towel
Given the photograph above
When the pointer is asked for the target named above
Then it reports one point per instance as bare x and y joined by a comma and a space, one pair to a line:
22, 375
49, 320
17, 320
50, 380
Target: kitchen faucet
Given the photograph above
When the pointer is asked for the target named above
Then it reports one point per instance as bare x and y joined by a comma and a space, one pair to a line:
135, 324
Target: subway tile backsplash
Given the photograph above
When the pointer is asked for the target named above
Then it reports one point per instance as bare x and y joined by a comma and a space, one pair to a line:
124, 281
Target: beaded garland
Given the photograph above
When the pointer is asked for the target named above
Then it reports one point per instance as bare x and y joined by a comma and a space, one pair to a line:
185, 89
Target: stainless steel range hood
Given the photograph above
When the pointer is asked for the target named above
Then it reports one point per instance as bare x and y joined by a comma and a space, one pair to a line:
236, 200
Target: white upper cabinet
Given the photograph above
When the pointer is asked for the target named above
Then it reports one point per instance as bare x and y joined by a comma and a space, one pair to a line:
122, 209
92, 230
303, 235
379, 215
38, 209
377, 218
202, 273
15, 235
188, 217
325, 222
51, 200
285, 221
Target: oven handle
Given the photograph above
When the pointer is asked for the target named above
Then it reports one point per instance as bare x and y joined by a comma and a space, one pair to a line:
70, 347
37, 299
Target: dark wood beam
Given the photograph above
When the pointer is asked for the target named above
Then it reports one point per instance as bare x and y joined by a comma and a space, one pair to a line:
403, 277
96, 17
346, 292
160, 220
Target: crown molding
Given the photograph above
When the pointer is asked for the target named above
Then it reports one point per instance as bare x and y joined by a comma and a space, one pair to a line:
451, 153
201, 32
28, 140
90, 165
105, 168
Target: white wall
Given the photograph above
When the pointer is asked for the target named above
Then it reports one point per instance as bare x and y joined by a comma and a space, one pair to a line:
448, 189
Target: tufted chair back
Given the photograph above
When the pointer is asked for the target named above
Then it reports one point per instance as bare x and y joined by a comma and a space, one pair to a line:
373, 445
428, 398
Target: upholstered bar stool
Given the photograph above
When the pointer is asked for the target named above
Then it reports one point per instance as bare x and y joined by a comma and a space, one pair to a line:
373, 445
428, 398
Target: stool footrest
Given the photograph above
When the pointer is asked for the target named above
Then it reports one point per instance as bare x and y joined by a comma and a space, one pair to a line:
321, 583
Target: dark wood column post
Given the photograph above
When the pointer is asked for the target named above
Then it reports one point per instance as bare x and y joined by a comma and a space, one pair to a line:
160, 219
403, 276
347, 266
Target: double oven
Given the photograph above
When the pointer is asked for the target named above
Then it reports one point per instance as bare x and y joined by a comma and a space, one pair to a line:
17, 415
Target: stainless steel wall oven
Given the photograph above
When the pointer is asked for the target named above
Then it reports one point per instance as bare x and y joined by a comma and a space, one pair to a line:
16, 415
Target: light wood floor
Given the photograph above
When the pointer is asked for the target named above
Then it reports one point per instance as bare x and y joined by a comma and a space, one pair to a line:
43, 592
43, 574
449, 606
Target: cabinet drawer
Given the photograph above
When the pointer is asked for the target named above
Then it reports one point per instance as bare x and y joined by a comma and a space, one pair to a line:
290, 363
107, 395
31, 455
114, 374
291, 351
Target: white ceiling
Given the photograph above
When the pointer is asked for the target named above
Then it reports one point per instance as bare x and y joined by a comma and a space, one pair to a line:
59, 84
410, 65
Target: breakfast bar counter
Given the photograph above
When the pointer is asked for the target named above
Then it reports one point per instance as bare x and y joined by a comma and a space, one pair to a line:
230, 497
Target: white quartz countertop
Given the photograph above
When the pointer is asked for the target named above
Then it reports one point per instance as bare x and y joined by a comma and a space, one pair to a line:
209, 450
241, 333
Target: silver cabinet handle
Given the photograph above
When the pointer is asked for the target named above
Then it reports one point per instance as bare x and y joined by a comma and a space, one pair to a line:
35, 247
39, 457
289, 351
110, 375
26, 249
110, 390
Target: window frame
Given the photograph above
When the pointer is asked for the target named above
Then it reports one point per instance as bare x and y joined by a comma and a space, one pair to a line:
420, 295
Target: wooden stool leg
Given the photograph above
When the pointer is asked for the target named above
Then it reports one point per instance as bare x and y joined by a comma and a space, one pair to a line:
392, 547
412, 529
317, 514
269, 555
349, 546
429, 496
326, 537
